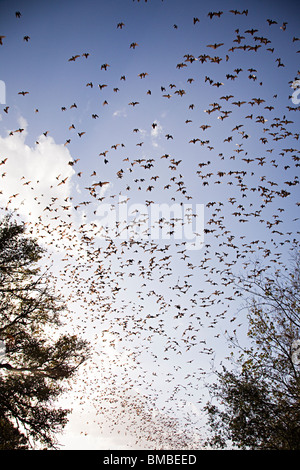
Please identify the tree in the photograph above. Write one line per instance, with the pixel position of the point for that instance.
(39, 359)
(259, 400)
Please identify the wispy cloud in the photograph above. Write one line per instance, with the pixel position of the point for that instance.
(120, 113)
(156, 133)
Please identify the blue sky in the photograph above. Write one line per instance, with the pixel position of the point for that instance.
(158, 315)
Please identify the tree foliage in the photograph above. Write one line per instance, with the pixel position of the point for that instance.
(259, 400)
(39, 358)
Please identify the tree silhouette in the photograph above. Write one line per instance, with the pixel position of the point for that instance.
(259, 400)
(38, 358)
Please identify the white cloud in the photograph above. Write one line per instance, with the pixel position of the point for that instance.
(156, 133)
(120, 113)
(32, 178)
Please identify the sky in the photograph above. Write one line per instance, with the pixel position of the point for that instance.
(153, 149)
